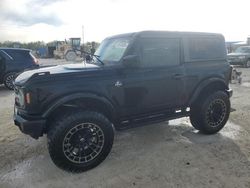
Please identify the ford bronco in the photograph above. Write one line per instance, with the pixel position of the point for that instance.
(132, 79)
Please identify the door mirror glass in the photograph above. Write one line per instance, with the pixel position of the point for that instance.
(131, 61)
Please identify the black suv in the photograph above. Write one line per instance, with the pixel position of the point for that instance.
(12, 62)
(133, 79)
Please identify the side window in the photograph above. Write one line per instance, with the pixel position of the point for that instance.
(19, 56)
(132, 50)
(160, 51)
(206, 48)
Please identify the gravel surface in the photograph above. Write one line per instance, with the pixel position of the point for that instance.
(158, 155)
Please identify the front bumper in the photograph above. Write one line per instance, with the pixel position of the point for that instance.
(230, 92)
(34, 128)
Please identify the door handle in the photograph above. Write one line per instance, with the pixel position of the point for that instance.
(178, 76)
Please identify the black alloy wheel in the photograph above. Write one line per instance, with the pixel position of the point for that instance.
(80, 140)
(83, 142)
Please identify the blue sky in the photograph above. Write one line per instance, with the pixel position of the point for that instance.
(47, 20)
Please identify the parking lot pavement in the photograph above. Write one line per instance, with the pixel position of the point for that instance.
(157, 155)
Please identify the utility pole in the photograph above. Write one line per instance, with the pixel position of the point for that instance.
(83, 36)
(82, 53)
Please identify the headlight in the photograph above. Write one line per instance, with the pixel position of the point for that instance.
(242, 57)
(27, 98)
(19, 98)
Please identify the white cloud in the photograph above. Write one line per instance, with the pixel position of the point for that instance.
(102, 18)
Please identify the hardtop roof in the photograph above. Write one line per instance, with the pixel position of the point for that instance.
(167, 33)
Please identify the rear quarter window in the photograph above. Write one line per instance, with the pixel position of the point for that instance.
(205, 48)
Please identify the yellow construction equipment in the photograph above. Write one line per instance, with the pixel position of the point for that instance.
(68, 49)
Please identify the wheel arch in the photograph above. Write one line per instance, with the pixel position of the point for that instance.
(208, 86)
(82, 101)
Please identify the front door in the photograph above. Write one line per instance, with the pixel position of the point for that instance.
(159, 82)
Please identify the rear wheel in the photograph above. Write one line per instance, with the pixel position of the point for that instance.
(212, 113)
(80, 141)
(9, 79)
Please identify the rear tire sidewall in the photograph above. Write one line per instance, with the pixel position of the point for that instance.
(56, 138)
(206, 128)
(194, 118)
(198, 116)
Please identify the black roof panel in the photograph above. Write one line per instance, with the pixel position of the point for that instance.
(167, 33)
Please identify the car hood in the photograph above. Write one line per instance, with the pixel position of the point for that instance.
(237, 54)
(59, 69)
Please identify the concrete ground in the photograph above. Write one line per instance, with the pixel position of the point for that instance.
(158, 155)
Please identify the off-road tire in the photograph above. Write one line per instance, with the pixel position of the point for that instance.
(194, 118)
(9, 79)
(211, 113)
(64, 125)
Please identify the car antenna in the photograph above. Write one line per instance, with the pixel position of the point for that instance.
(84, 62)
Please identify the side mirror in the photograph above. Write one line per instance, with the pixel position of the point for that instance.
(131, 61)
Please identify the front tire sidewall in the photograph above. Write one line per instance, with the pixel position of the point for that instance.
(57, 134)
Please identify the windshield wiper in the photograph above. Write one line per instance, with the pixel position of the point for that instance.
(93, 55)
(98, 58)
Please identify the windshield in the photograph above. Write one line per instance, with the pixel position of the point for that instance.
(112, 50)
(243, 49)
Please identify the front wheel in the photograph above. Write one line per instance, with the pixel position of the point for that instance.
(211, 114)
(80, 141)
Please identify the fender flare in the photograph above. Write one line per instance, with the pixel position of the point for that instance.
(196, 93)
(74, 96)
